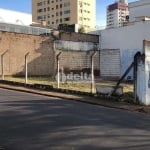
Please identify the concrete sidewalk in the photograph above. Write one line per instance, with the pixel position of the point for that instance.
(86, 99)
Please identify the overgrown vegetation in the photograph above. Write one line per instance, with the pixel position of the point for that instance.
(78, 86)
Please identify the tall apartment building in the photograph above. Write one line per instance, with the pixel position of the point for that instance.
(116, 13)
(55, 12)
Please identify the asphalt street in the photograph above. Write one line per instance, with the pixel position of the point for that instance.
(34, 122)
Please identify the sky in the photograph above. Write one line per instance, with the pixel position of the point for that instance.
(26, 6)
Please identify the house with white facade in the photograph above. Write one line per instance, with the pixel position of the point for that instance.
(125, 41)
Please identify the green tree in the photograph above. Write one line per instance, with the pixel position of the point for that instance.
(81, 30)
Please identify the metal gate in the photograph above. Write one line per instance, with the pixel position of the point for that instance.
(110, 63)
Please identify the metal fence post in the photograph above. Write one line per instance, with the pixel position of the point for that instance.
(58, 74)
(2, 64)
(26, 68)
(92, 72)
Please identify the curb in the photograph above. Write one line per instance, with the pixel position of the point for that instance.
(84, 97)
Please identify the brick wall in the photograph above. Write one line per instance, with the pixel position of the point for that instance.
(42, 57)
(40, 60)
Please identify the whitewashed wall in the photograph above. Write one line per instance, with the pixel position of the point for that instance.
(70, 45)
(127, 57)
(129, 39)
(143, 76)
(139, 8)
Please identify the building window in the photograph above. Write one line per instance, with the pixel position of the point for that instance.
(48, 9)
(60, 5)
(56, 6)
(39, 4)
(60, 13)
(39, 10)
(60, 20)
(44, 17)
(39, 18)
(67, 12)
(57, 21)
(80, 3)
(48, 2)
(81, 10)
(67, 19)
(66, 4)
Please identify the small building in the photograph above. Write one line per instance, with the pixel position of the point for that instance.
(128, 39)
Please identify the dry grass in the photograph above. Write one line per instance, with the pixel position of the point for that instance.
(78, 86)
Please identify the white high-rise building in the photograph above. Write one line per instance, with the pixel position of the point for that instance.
(117, 13)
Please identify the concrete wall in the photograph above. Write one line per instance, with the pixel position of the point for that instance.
(139, 8)
(72, 36)
(40, 60)
(71, 45)
(78, 61)
(129, 39)
(42, 57)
